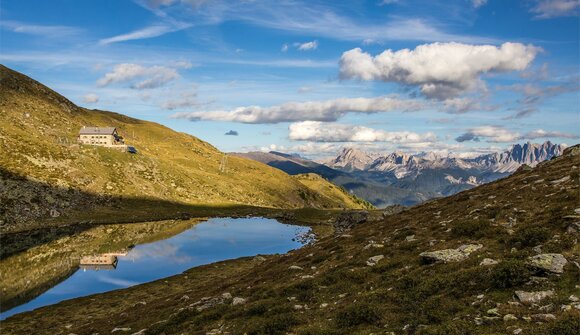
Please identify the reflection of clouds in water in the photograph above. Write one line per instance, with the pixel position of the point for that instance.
(116, 281)
(160, 250)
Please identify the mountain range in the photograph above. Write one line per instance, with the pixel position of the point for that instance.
(408, 179)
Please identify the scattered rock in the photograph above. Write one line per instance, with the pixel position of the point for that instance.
(393, 209)
(298, 307)
(323, 305)
(141, 332)
(509, 317)
(574, 228)
(517, 331)
(226, 295)
(372, 261)
(493, 311)
(533, 297)
(573, 298)
(488, 261)
(373, 245)
(207, 302)
(561, 180)
(549, 262)
(238, 301)
(120, 329)
(410, 238)
(295, 267)
(451, 255)
(347, 220)
(184, 298)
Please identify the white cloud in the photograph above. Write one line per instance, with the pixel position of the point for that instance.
(334, 132)
(91, 98)
(40, 30)
(147, 32)
(284, 47)
(312, 45)
(151, 77)
(440, 70)
(497, 134)
(478, 3)
(490, 133)
(387, 2)
(541, 133)
(329, 110)
(545, 9)
(187, 99)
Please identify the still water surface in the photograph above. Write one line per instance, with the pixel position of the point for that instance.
(207, 242)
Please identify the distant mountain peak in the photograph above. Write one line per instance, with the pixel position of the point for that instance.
(402, 164)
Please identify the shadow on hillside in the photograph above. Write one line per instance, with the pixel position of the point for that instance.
(33, 213)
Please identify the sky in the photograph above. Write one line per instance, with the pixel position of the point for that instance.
(311, 77)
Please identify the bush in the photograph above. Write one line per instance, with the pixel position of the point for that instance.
(473, 229)
(357, 314)
(530, 236)
(456, 327)
(509, 273)
(277, 324)
(569, 324)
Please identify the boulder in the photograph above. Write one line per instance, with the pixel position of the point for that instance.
(533, 297)
(450, 255)
(238, 301)
(549, 262)
(372, 261)
(488, 261)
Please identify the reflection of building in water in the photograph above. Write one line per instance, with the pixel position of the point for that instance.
(106, 261)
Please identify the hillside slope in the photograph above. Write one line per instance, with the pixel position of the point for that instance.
(501, 258)
(38, 145)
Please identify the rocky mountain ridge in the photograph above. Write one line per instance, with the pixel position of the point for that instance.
(408, 179)
(402, 164)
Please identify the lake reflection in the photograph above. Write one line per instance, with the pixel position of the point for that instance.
(207, 242)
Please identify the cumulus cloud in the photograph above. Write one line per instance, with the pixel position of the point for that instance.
(91, 98)
(545, 9)
(313, 45)
(231, 133)
(497, 134)
(439, 70)
(334, 132)
(329, 110)
(150, 77)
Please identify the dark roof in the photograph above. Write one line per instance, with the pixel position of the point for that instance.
(97, 130)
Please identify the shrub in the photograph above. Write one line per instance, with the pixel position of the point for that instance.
(456, 327)
(474, 229)
(509, 273)
(530, 236)
(357, 314)
(569, 324)
(277, 324)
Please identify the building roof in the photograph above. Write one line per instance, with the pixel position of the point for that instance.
(97, 130)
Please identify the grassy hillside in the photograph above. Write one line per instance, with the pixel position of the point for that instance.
(331, 192)
(376, 278)
(38, 144)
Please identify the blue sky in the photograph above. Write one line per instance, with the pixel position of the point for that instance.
(313, 76)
